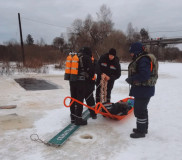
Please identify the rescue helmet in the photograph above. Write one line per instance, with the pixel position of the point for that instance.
(136, 48)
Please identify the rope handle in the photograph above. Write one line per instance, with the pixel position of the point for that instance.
(35, 137)
(75, 100)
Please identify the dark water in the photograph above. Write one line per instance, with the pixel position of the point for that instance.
(33, 84)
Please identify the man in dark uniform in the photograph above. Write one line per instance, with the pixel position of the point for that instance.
(77, 87)
(90, 87)
(142, 76)
(110, 70)
(90, 84)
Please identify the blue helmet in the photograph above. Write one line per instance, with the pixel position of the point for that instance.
(136, 48)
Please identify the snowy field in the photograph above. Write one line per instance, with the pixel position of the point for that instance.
(43, 113)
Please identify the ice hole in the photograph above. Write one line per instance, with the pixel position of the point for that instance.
(36, 84)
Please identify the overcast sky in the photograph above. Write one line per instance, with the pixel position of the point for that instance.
(158, 15)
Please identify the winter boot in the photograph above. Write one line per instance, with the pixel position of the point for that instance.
(137, 135)
(80, 121)
(72, 118)
(135, 130)
(94, 116)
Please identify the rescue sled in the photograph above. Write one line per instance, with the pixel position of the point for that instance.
(101, 108)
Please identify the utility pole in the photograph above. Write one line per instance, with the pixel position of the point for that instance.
(21, 39)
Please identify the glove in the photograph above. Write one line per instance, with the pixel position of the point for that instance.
(107, 78)
(103, 75)
(129, 80)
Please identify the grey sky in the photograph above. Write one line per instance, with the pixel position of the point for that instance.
(160, 15)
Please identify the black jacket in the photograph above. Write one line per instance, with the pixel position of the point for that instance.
(87, 69)
(111, 68)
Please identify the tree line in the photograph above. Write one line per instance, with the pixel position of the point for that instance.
(98, 34)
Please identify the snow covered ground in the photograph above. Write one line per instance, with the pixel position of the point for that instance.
(43, 113)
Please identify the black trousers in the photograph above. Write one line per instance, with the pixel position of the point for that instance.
(141, 113)
(89, 97)
(77, 90)
(110, 85)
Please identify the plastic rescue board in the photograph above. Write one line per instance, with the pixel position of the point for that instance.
(60, 138)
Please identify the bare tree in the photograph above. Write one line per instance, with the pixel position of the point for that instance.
(136, 36)
(130, 31)
(132, 34)
(105, 21)
(104, 14)
(89, 32)
(77, 26)
(58, 42)
(11, 42)
(41, 42)
(88, 23)
(72, 41)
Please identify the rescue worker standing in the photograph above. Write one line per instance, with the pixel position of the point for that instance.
(78, 83)
(110, 70)
(90, 86)
(142, 76)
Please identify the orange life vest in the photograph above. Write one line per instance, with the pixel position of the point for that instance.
(74, 68)
(68, 67)
(71, 68)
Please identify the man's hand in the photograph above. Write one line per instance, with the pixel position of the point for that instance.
(107, 78)
(103, 75)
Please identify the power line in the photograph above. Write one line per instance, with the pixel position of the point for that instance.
(36, 21)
